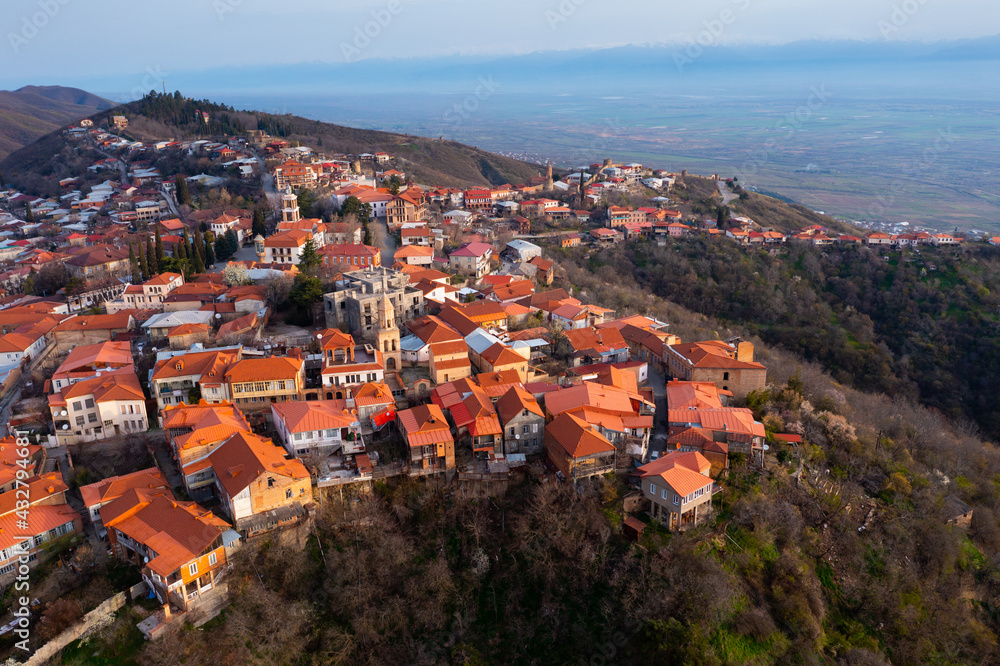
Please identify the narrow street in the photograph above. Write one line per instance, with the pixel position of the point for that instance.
(658, 383)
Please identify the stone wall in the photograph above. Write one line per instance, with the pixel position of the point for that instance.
(95, 620)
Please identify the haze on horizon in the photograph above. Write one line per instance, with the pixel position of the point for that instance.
(61, 41)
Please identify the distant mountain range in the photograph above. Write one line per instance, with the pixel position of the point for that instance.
(626, 69)
(32, 111)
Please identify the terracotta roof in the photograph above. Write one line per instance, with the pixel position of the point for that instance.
(109, 322)
(264, 369)
(590, 394)
(515, 401)
(120, 384)
(238, 325)
(576, 437)
(207, 364)
(684, 481)
(112, 488)
(595, 340)
(691, 460)
(712, 354)
(425, 425)
(685, 395)
(313, 415)
(187, 329)
(499, 354)
(244, 457)
(373, 393)
(177, 531)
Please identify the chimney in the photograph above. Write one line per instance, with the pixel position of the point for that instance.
(744, 352)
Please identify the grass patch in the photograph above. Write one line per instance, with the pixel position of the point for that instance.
(118, 645)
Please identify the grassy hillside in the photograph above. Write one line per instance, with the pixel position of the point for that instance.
(428, 161)
(33, 111)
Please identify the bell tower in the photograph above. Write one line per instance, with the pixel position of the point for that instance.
(289, 206)
(387, 337)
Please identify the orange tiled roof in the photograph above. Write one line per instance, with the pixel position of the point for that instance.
(313, 415)
(515, 401)
(576, 437)
(264, 369)
(244, 457)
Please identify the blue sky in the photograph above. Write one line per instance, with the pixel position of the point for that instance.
(50, 41)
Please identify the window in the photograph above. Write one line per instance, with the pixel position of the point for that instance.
(123, 409)
(80, 420)
(193, 568)
(212, 559)
(270, 482)
(725, 376)
(89, 402)
(77, 406)
(652, 488)
(298, 437)
(534, 427)
(663, 493)
(525, 429)
(512, 431)
(92, 418)
(288, 493)
(677, 500)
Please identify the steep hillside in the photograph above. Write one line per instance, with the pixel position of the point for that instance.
(32, 111)
(428, 161)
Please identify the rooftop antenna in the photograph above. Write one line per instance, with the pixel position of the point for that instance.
(164, 82)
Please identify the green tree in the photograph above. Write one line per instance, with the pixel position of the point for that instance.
(180, 251)
(183, 194)
(352, 206)
(144, 260)
(197, 263)
(308, 259)
(305, 292)
(394, 185)
(160, 254)
(29, 283)
(259, 223)
(306, 201)
(722, 219)
(198, 245)
(209, 253)
(28, 215)
(133, 263)
(226, 245)
(154, 266)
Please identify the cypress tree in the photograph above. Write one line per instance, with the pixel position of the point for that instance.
(183, 195)
(134, 265)
(160, 256)
(259, 224)
(198, 245)
(209, 254)
(198, 263)
(154, 266)
(144, 260)
(28, 215)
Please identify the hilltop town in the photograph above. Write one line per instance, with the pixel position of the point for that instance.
(206, 339)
